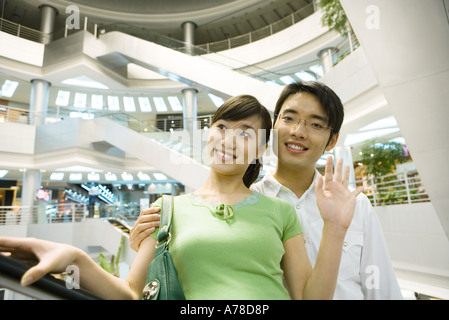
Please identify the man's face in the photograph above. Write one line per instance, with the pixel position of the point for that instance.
(303, 132)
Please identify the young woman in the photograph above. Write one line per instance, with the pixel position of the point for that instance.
(227, 241)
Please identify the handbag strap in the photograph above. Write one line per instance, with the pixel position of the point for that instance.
(166, 217)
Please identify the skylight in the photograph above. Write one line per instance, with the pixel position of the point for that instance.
(127, 176)
(9, 87)
(110, 176)
(216, 100)
(160, 176)
(80, 100)
(113, 103)
(287, 79)
(160, 104)
(317, 69)
(97, 101)
(305, 76)
(174, 103)
(76, 176)
(57, 176)
(143, 176)
(93, 176)
(63, 98)
(129, 104)
(144, 103)
(83, 81)
(3, 173)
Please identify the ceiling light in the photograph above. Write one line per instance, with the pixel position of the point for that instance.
(3, 173)
(287, 80)
(80, 100)
(8, 88)
(217, 101)
(127, 176)
(76, 176)
(110, 176)
(113, 103)
(160, 176)
(174, 103)
(63, 98)
(305, 76)
(144, 103)
(83, 81)
(97, 101)
(57, 176)
(93, 176)
(128, 102)
(160, 104)
(143, 176)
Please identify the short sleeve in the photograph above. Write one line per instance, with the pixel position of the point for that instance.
(291, 224)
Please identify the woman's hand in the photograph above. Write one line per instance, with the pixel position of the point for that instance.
(335, 201)
(145, 225)
(48, 257)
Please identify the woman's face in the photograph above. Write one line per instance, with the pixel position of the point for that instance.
(235, 144)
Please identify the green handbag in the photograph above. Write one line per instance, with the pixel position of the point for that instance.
(162, 279)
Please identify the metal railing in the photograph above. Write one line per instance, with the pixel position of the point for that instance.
(45, 213)
(67, 213)
(20, 31)
(10, 114)
(399, 188)
(261, 33)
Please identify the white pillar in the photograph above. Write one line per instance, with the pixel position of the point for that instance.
(39, 101)
(327, 59)
(48, 18)
(31, 183)
(189, 36)
(346, 154)
(190, 110)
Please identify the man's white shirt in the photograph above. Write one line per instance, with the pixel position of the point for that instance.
(366, 271)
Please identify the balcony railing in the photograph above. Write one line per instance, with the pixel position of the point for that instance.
(398, 188)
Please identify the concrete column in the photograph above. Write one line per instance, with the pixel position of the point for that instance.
(346, 154)
(190, 111)
(189, 36)
(39, 101)
(327, 59)
(31, 183)
(48, 18)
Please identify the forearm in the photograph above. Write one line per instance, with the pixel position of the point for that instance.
(99, 282)
(323, 280)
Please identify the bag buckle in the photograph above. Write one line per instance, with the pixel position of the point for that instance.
(150, 290)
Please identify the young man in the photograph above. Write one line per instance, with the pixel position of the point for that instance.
(307, 121)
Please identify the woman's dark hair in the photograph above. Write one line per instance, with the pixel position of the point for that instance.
(242, 107)
(329, 100)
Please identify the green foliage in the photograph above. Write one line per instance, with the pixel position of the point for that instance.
(112, 267)
(381, 157)
(334, 16)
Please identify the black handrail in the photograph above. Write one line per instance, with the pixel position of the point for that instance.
(13, 270)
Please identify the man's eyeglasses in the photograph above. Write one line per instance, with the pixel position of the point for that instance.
(313, 125)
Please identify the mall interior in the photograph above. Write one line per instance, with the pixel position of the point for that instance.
(105, 106)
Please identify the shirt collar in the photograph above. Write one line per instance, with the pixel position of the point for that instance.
(271, 187)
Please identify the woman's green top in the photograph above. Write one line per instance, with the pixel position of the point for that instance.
(231, 251)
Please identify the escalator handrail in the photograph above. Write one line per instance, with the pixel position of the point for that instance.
(14, 269)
